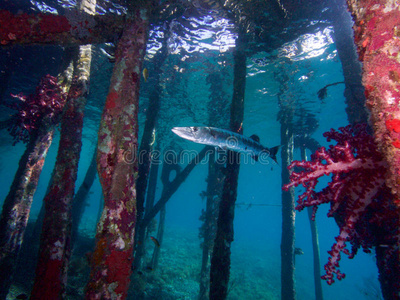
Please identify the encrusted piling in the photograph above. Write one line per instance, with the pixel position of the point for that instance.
(377, 36)
(118, 167)
(54, 253)
(15, 214)
(17, 205)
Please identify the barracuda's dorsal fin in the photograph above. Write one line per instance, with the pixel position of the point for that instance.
(255, 137)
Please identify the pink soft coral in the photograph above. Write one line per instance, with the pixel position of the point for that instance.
(360, 200)
(47, 102)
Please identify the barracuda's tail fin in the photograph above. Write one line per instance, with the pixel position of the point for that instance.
(273, 151)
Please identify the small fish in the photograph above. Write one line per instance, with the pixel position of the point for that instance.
(226, 139)
(155, 241)
(298, 251)
(22, 296)
(145, 74)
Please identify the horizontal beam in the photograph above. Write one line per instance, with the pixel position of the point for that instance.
(73, 28)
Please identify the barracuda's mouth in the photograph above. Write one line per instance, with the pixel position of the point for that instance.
(188, 133)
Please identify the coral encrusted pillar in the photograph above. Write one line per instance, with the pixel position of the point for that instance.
(51, 270)
(118, 169)
(377, 36)
(17, 205)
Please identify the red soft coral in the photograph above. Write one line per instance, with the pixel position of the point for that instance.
(358, 183)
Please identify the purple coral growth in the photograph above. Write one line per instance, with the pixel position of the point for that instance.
(46, 103)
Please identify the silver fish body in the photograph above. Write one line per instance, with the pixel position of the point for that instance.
(225, 139)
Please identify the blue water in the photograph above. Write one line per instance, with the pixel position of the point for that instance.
(308, 63)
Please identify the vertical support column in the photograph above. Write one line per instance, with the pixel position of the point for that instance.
(146, 146)
(219, 101)
(288, 288)
(55, 240)
(315, 244)
(377, 37)
(160, 237)
(54, 253)
(118, 167)
(80, 200)
(17, 205)
(221, 260)
(343, 37)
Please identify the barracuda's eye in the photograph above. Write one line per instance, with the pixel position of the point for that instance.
(195, 129)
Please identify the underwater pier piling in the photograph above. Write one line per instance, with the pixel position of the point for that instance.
(221, 260)
(377, 37)
(151, 195)
(286, 102)
(160, 237)
(151, 190)
(315, 242)
(376, 34)
(343, 38)
(54, 252)
(17, 205)
(218, 101)
(316, 256)
(117, 164)
(146, 146)
(80, 199)
(288, 288)
(207, 229)
(144, 169)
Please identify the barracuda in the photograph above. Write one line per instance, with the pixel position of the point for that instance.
(226, 139)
